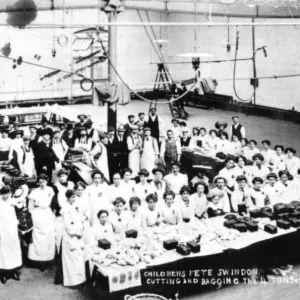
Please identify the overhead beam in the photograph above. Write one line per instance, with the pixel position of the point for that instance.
(238, 9)
(164, 24)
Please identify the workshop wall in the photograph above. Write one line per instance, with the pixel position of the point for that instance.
(137, 59)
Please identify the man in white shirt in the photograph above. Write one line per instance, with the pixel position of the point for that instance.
(176, 180)
(170, 151)
(176, 129)
(237, 129)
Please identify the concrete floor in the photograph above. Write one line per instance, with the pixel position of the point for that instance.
(35, 285)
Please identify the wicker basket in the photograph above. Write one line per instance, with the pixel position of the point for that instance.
(145, 297)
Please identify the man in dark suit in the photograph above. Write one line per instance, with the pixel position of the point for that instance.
(117, 151)
(82, 120)
(45, 128)
(128, 126)
(46, 157)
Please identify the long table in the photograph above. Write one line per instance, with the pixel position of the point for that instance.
(250, 249)
(189, 159)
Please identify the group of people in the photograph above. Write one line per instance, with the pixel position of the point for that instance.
(137, 184)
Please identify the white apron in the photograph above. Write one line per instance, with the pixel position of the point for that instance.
(43, 234)
(150, 149)
(59, 150)
(10, 250)
(73, 259)
(134, 155)
(28, 165)
(82, 205)
(62, 200)
(98, 199)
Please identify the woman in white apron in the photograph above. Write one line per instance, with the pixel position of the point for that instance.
(98, 194)
(26, 159)
(135, 220)
(284, 187)
(159, 185)
(170, 212)
(151, 215)
(134, 143)
(73, 257)
(119, 218)
(59, 201)
(103, 229)
(98, 157)
(150, 151)
(42, 249)
(83, 207)
(143, 188)
(60, 149)
(10, 250)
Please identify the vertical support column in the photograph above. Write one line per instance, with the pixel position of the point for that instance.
(112, 76)
(254, 62)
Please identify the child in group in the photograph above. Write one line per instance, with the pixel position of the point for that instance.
(170, 213)
(135, 220)
(258, 196)
(151, 215)
(199, 200)
(186, 207)
(214, 207)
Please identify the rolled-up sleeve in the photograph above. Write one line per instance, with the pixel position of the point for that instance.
(178, 146)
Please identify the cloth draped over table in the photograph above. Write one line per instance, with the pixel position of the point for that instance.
(111, 93)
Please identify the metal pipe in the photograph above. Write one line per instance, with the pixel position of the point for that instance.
(254, 62)
(167, 24)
